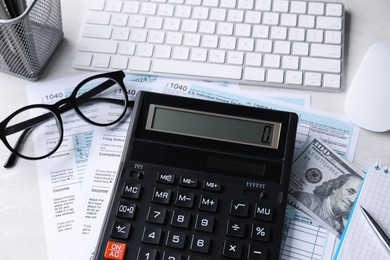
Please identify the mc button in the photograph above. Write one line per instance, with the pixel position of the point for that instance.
(131, 190)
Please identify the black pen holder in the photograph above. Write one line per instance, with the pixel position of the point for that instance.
(29, 40)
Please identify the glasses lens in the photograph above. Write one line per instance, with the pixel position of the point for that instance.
(34, 124)
(101, 101)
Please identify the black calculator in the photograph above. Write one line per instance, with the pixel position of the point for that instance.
(200, 180)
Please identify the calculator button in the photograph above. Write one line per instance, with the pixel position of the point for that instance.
(147, 254)
(172, 256)
(156, 215)
(260, 232)
(120, 230)
(115, 251)
(235, 228)
(181, 219)
(208, 203)
(239, 208)
(200, 244)
(131, 190)
(189, 182)
(257, 252)
(231, 249)
(176, 239)
(204, 223)
(161, 195)
(136, 174)
(166, 178)
(194, 257)
(126, 209)
(263, 213)
(212, 186)
(185, 199)
(151, 236)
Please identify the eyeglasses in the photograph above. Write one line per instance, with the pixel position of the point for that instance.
(100, 100)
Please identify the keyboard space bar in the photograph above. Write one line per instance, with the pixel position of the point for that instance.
(196, 69)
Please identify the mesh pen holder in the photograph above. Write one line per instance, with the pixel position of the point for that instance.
(28, 41)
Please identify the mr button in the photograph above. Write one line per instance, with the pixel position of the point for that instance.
(115, 251)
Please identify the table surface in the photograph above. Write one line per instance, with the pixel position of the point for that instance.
(22, 233)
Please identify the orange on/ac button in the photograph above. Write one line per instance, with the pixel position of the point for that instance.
(115, 251)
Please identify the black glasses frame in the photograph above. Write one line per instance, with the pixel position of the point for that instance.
(61, 106)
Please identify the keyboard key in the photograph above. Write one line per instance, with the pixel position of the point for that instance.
(185, 199)
(131, 190)
(181, 219)
(263, 212)
(166, 178)
(332, 80)
(101, 60)
(151, 235)
(239, 208)
(98, 45)
(126, 209)
(204, 223)
(156, 215)
(276, 76)
(232, 249)
(172, 256)
(115, 251)
(147, 254)
(139, 64)
(257, 252)
(254, 74)
(200, 244)
(334, 9)
(120, 230)
(208, 203)
(235, 228)
(83, 59)
(325, 50)
(332, 23)
(197, 69)
(161, 195)
(317, 64)
(260, 232)
(176, 239)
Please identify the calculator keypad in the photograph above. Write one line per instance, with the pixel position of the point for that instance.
(180, 218)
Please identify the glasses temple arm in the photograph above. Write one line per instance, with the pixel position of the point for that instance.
(13, 156)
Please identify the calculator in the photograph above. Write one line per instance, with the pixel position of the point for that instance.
(199, 180)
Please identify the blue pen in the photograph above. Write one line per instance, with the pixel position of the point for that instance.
(377, 229)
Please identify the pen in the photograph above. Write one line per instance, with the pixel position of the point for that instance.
(377, 229)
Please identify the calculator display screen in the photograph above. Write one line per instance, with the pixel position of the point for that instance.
(214, 126)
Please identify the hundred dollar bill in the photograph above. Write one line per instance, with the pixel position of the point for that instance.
(324, 185)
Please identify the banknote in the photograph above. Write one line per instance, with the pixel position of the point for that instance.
(324, 185)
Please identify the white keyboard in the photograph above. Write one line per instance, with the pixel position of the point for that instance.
(277, 43)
